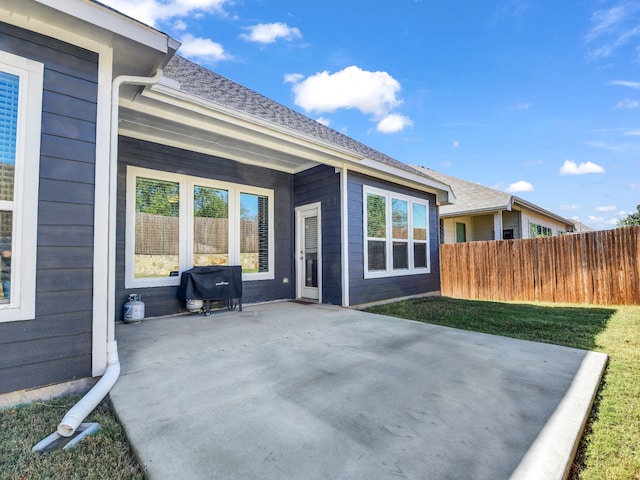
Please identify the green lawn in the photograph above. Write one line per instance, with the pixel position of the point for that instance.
(610, 448)
(104, 455)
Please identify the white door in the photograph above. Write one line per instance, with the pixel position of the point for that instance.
(308, 252)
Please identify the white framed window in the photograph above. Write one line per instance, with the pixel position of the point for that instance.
(176, 222)
(396, 233)
(539, 231)
(21, 84)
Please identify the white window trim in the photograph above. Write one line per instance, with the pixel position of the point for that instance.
(538, 223)
(26, 181)
(185, 222)
(389, 271)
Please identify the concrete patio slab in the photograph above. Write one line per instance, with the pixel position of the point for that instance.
(289, 391)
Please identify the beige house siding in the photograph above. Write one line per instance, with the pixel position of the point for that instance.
(529, 217)
(482, 227)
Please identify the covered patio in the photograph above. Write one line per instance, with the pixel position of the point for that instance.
(290, 391)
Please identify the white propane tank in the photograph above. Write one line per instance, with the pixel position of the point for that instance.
(194, 305)
(134, 309)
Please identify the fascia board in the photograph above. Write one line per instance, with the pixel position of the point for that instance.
(444, 194)
(106, 18)
(165, 92)
(542, 211)
(472, 213)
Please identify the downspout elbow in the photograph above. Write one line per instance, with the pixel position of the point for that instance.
(71, 421)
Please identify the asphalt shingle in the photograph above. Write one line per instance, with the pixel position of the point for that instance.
(201, 82)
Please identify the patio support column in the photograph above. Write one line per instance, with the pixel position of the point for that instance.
(497, 225)
(344, 235)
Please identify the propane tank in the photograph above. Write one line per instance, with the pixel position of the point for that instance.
(194, 305)
(134, 309)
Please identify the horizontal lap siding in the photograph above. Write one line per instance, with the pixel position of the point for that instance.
(377, 289)
(163, 300)
(322, 184)
(56, 345)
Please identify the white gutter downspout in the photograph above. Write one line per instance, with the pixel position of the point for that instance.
(85, 406)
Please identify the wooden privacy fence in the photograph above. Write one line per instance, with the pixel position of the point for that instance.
(596, 267)
(158, 235)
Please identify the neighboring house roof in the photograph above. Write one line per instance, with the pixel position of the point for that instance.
(581, 227)
(197, 80)
(474, 199)
(471, 197)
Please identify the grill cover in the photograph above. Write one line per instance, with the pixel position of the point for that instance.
(211, 283)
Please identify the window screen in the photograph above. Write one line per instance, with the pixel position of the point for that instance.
(9, 94)
(254, 233)
(210, 226)
(376, 231)
(157, 227)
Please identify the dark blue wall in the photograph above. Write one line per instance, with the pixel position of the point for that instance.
(374, 289)
(56, 345)
(163, 300)
(322, 184)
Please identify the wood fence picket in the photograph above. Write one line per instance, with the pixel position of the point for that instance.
(595, 267)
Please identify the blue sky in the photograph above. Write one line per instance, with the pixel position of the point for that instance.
(539, 98)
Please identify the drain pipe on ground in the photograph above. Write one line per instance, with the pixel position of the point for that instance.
(85, 406)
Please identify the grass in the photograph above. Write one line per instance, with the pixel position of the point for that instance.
(572, 326)
(104, 455)
(610, 447)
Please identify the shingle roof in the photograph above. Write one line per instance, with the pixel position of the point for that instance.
(470, 197)
(475, 198)
(201, 82)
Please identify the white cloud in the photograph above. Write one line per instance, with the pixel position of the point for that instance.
(324, 121)
(393, 123)
(569, 207)
(613, 147)
(634, 186)
(606, 208)
(152, 12)
(180, 26)
(628, 104)
(626, 83)
(271, 32)
(612, 28)
(293, 77)
(203, 48)
(521, 186)
(372, 93)
(569, 167)
(634, 133)
(521, 106)
(533, 163)
(455, 144)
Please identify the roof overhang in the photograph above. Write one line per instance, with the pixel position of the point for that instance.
(167, 115)
(530, 206)
(474, 212)
(137, 49)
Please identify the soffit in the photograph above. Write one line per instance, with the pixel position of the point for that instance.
(213, 136)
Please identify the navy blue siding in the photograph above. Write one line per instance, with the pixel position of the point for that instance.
(322, 184)
(56, 345)
(375, 289)
(163, 300)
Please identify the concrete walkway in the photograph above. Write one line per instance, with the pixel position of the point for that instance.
(289, 391)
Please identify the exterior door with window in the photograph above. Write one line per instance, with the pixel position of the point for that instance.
(308, 252)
